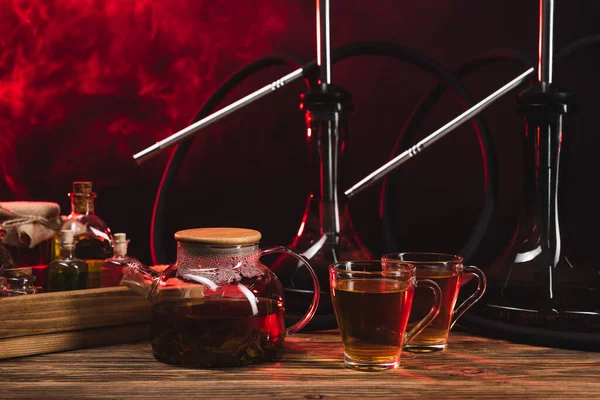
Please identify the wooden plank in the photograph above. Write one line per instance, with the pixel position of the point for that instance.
(71, 310)
(311, 367)
(62, 341)
(17, 272)
(51, 322)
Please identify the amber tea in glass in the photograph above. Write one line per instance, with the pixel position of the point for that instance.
(447, 271)
(372, 306)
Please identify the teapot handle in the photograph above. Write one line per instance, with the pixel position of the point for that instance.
(317, 291)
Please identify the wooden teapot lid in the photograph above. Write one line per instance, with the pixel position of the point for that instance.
(219, 236)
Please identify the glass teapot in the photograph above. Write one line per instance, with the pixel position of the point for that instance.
(218, 305)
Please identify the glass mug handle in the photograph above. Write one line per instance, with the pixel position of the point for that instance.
(435, 310)
(317, 291)
(477, 294)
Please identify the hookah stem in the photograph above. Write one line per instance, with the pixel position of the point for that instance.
(548, 218)
(329, 126)
(214, 117)
(435, 136)
(407, 137)
(323, 41)
(545, 46)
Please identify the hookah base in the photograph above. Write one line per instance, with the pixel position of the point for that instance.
(532, 335)
(524, 313)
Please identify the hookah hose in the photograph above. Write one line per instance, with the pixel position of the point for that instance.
(577, 46)
(407, 137)
(173, 165)
(392, 50)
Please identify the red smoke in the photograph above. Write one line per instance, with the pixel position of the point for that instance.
(85, 82)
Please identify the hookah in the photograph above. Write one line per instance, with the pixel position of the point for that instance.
(326, 233)
(538, 292)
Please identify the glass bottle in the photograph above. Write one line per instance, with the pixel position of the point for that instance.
(67, 272)
(113, 267)
(90, 232)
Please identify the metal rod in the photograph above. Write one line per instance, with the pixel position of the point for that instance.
(323, 41)
(195, 127)
(437, 135)
(545, 41)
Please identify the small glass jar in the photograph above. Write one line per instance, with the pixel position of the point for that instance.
(17, 286)
(3, 287)
(22, 285)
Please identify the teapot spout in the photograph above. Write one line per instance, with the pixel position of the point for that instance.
(142, 279)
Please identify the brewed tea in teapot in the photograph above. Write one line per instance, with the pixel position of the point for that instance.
(218, 305)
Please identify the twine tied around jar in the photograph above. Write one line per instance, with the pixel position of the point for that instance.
(15, 219)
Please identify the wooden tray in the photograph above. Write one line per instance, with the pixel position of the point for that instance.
(52, 322)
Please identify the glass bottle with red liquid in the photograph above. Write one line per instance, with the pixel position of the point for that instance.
(90, 232)
(113, 267)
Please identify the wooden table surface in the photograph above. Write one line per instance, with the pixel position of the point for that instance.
(311, 368)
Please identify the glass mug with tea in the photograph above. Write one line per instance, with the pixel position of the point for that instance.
(218, 305)
(447, 271)
(372, 301)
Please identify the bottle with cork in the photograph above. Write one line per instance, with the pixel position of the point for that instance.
(92, 236)
(114, 267)
(67, 272)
